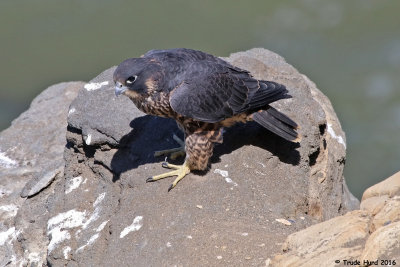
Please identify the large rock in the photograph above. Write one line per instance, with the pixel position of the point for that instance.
(103, 212)
(369, 234)
(31, 157)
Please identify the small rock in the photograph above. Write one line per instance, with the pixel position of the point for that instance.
(284, 221)
(386, 223)
(41, 181)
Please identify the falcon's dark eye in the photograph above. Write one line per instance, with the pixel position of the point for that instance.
(131, 79)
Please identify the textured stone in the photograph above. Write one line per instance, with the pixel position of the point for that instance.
(374, 204)
(389, 213)
(389, 186)
(36, 185)
(370, 234)
(384, 244)
(31, 155)
(113, 217)
(98, 210)
(340, 238)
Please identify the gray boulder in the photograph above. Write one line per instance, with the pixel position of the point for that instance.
(83, 201)
(259, 189)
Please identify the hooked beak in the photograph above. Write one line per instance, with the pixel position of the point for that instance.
(119, 88)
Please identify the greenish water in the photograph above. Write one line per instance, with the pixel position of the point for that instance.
(351, 49)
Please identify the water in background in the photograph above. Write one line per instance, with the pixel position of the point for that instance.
(351, 49)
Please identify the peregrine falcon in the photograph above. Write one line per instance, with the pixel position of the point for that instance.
(204, 94)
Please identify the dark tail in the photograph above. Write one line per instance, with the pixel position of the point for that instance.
(278, 123)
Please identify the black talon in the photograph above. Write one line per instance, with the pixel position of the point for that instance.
(150, 179)
(170, 187)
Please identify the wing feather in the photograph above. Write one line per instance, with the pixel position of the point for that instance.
(215, 93)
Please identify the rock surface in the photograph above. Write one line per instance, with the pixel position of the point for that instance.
(369, 234)
(98, 210)
(31, 157)
(103, 212)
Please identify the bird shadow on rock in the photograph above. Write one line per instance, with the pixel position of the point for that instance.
(254, 134)
(150, 134)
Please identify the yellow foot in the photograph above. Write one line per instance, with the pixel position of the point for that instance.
(175, 152)
(179, 170)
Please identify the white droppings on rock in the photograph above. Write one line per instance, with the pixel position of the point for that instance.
(89, 242)
(229, 181)
(219, 257)
(66, 252)
(57, 226)
(189, 237)
(222, 172)
(78, 233)
(34, 258)
(244, 234)
(225, 174)
(334, 136)
(262, 164)
(169, 244)
(84, 182)
(99, 199)
(6, 162)
(72, 110)
(96, 212)
(101, 226)
(10, 210)
(73, 184)
(135, 226)
(8, 235)
(95, 86)
(13, 261)
(260, 173)
(88, 139)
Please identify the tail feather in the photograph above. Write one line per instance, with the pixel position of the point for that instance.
(282, 117)
(277, 123)
(267, 93)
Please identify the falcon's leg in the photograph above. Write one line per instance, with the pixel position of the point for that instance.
(198, 151)
(175, 152)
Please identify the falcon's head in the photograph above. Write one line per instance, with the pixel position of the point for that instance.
(133, 77)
